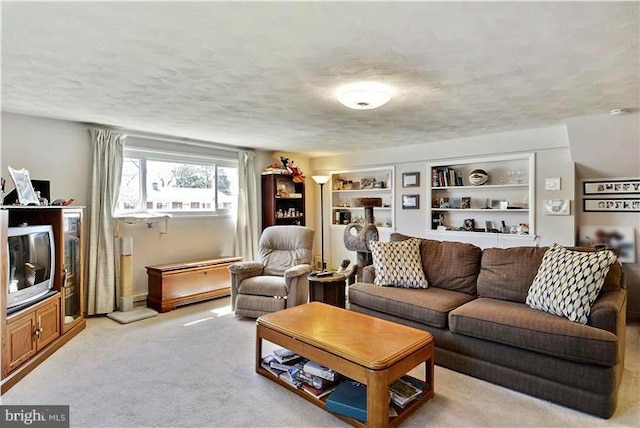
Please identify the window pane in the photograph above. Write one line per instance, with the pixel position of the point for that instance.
(175, 186)
(227, 188)
(129, 198)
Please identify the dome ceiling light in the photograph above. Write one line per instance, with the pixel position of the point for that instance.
(364, 96)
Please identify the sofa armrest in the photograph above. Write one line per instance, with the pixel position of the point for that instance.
(239, 272)
(368, 274)
(609, 312)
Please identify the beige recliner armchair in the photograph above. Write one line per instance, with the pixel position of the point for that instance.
(278, 280)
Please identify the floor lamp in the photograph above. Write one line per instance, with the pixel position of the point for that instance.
(321, 180)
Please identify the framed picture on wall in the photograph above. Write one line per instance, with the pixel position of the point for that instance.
(631, 205)
(618, 186)
(411, 179)
(410, 202)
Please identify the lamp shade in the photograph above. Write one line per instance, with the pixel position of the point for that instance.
(320, 179)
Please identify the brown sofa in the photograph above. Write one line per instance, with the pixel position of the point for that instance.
(475, 309)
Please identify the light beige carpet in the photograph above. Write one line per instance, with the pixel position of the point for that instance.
(193, 367)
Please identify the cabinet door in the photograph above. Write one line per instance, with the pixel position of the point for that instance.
(48, 324)
(72, 268)
(20, 342)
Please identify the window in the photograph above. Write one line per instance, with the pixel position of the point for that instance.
(182, 184)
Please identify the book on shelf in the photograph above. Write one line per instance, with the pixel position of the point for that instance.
(349, 398)
(283, 355)
(445, 177)
(405, 390)
(318, 392)
(316, 369)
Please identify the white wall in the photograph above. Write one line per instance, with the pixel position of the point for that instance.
(59, 151)
(605, 146)
(49, 149)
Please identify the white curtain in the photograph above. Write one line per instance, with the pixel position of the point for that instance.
(247, 225)
(105, 184)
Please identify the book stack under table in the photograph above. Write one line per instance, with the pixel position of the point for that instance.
(337, 342)
(344, 396)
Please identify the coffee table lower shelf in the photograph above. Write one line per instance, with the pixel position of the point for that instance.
(321, 402)
(377, 381)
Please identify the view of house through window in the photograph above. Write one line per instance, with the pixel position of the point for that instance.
(150, 184)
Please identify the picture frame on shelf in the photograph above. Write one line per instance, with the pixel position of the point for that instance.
(24, 188)
(410, 202)
(611, 186)
(630, 205)
(411, 179)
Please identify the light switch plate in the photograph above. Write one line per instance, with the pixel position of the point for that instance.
(552, 183)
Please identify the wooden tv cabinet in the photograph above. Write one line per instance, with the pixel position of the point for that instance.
(30, 335)
(175, 284)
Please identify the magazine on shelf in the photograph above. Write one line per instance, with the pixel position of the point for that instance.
(405, 390)
(286, 377)
(282, 366)
(266, 364)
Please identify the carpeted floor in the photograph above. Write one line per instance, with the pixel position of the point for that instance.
(193, 367)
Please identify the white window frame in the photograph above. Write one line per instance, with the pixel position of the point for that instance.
(145, 154)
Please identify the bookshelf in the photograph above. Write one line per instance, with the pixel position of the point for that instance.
(498, 207)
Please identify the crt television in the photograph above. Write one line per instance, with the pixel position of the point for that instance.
(31, 251)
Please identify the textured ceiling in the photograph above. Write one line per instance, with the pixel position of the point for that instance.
(264, 74)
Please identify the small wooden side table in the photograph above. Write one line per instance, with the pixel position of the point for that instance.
(328, 289)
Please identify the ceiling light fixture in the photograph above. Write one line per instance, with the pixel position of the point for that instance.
(364, 96)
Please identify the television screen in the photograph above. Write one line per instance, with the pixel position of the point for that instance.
(31, 258)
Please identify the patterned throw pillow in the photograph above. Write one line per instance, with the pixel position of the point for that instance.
(568, 282)
(398, 264)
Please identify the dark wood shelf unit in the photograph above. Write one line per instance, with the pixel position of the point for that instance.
(274, 201)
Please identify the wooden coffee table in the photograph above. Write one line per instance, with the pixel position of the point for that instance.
(370, 350)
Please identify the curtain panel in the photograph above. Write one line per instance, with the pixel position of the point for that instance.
(102, 289)
(247, 225)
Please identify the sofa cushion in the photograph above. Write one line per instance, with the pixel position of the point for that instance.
(398, 264)
(568, 282)
(507, 273)
(518, 325)
(429, 306)
(450, 265)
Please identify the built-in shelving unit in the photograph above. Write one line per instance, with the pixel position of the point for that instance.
(347, 186)
(459, 210)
